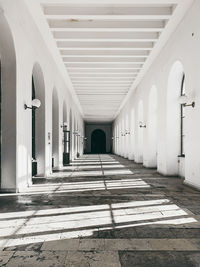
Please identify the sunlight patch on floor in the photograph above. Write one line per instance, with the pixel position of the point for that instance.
(61, 223)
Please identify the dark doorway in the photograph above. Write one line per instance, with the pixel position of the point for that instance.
(0, 124)
(98, 142)
(34, 162)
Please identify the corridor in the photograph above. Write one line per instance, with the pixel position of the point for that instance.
(101, 210)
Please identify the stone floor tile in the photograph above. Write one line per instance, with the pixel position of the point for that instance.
(172, 244)
(32, 258)
(144, 232)
(31, 247)
(127, 244)
(66, 244)
(186, 233)
(92, 259)
(5, 256)
(126, 233)
(195, 242)
(91, 244)
(158, 259)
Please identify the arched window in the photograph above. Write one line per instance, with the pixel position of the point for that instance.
(183, 118)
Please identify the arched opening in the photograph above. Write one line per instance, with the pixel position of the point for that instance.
(77, 141)
(38, 123)
(55, 129)
(0, 123)
(98, 142)
(74, 138)
(120, 138)
(151, 160)
(126, 137)
(71, 134)
(8, 144)
(66, 137)
(173, 130)
(34, 162)
(123, 137)
(140, 133)
(117, 139)
(132, 135)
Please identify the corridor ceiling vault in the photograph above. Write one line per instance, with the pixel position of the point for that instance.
(108, 45)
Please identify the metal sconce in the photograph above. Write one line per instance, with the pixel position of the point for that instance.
(75, 133)
(183, 100)
(64, 125)
(36, 103)
(142, 125)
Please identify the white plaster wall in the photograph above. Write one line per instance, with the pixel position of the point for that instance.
(31, 48)
(184, 46)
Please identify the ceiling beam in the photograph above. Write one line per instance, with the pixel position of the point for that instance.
(107, 29)
(84, 18)
(138, 24)
(108, 48)
(92, 58)
(106, 35)
(105, 80)
(103, 60)
(106, 63)
(108, 68)
(102, 82)
(109, 2)
(65, 10)
(100, 52)
(104, 40)
(102, 70)
(104, 45)
(113, 76)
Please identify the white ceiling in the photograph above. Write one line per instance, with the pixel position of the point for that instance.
(107, 45)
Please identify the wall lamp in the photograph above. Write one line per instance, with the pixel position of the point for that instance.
(142, 125)
(36, 103)
(183, 100)
(127, 132)
(64, 125)
(75, 133)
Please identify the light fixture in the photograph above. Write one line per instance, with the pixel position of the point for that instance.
(36, 103)
(142, 125)
(64, 124)
(127, 132)
(75, 133)
(183, 100)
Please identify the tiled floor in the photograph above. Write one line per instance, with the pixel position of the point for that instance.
(101, 211)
